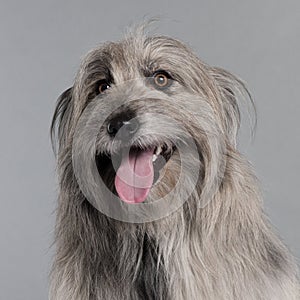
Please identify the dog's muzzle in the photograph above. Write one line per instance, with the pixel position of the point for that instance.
(136, 169)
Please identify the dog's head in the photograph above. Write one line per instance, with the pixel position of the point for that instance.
(151, 119)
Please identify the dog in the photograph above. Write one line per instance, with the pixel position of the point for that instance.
(155, 200)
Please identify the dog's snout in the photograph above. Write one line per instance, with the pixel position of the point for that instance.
(123, 126)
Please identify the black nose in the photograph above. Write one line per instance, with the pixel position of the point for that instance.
(122, 126)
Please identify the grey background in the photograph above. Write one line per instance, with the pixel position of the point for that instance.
(41, 43)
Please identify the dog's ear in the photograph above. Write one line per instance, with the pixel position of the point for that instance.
(231, 112)
(60, 124)
(234, 93)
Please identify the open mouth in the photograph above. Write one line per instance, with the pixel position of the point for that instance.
(134, 171)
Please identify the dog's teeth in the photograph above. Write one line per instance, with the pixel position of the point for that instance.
(158, 150)
(154, 158)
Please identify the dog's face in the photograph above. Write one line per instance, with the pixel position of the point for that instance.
(158, 121)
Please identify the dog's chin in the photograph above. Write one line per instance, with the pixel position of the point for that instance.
(135, 173)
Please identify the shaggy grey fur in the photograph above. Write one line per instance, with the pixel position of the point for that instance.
(223, 248)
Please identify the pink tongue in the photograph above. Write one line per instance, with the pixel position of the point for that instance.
(135, 175)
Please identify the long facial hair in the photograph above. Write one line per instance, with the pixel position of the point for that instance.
(224, 249)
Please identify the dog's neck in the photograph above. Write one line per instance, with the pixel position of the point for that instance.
(215, 247)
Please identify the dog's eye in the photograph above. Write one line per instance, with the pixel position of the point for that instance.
(161, 79)
(102, 86)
